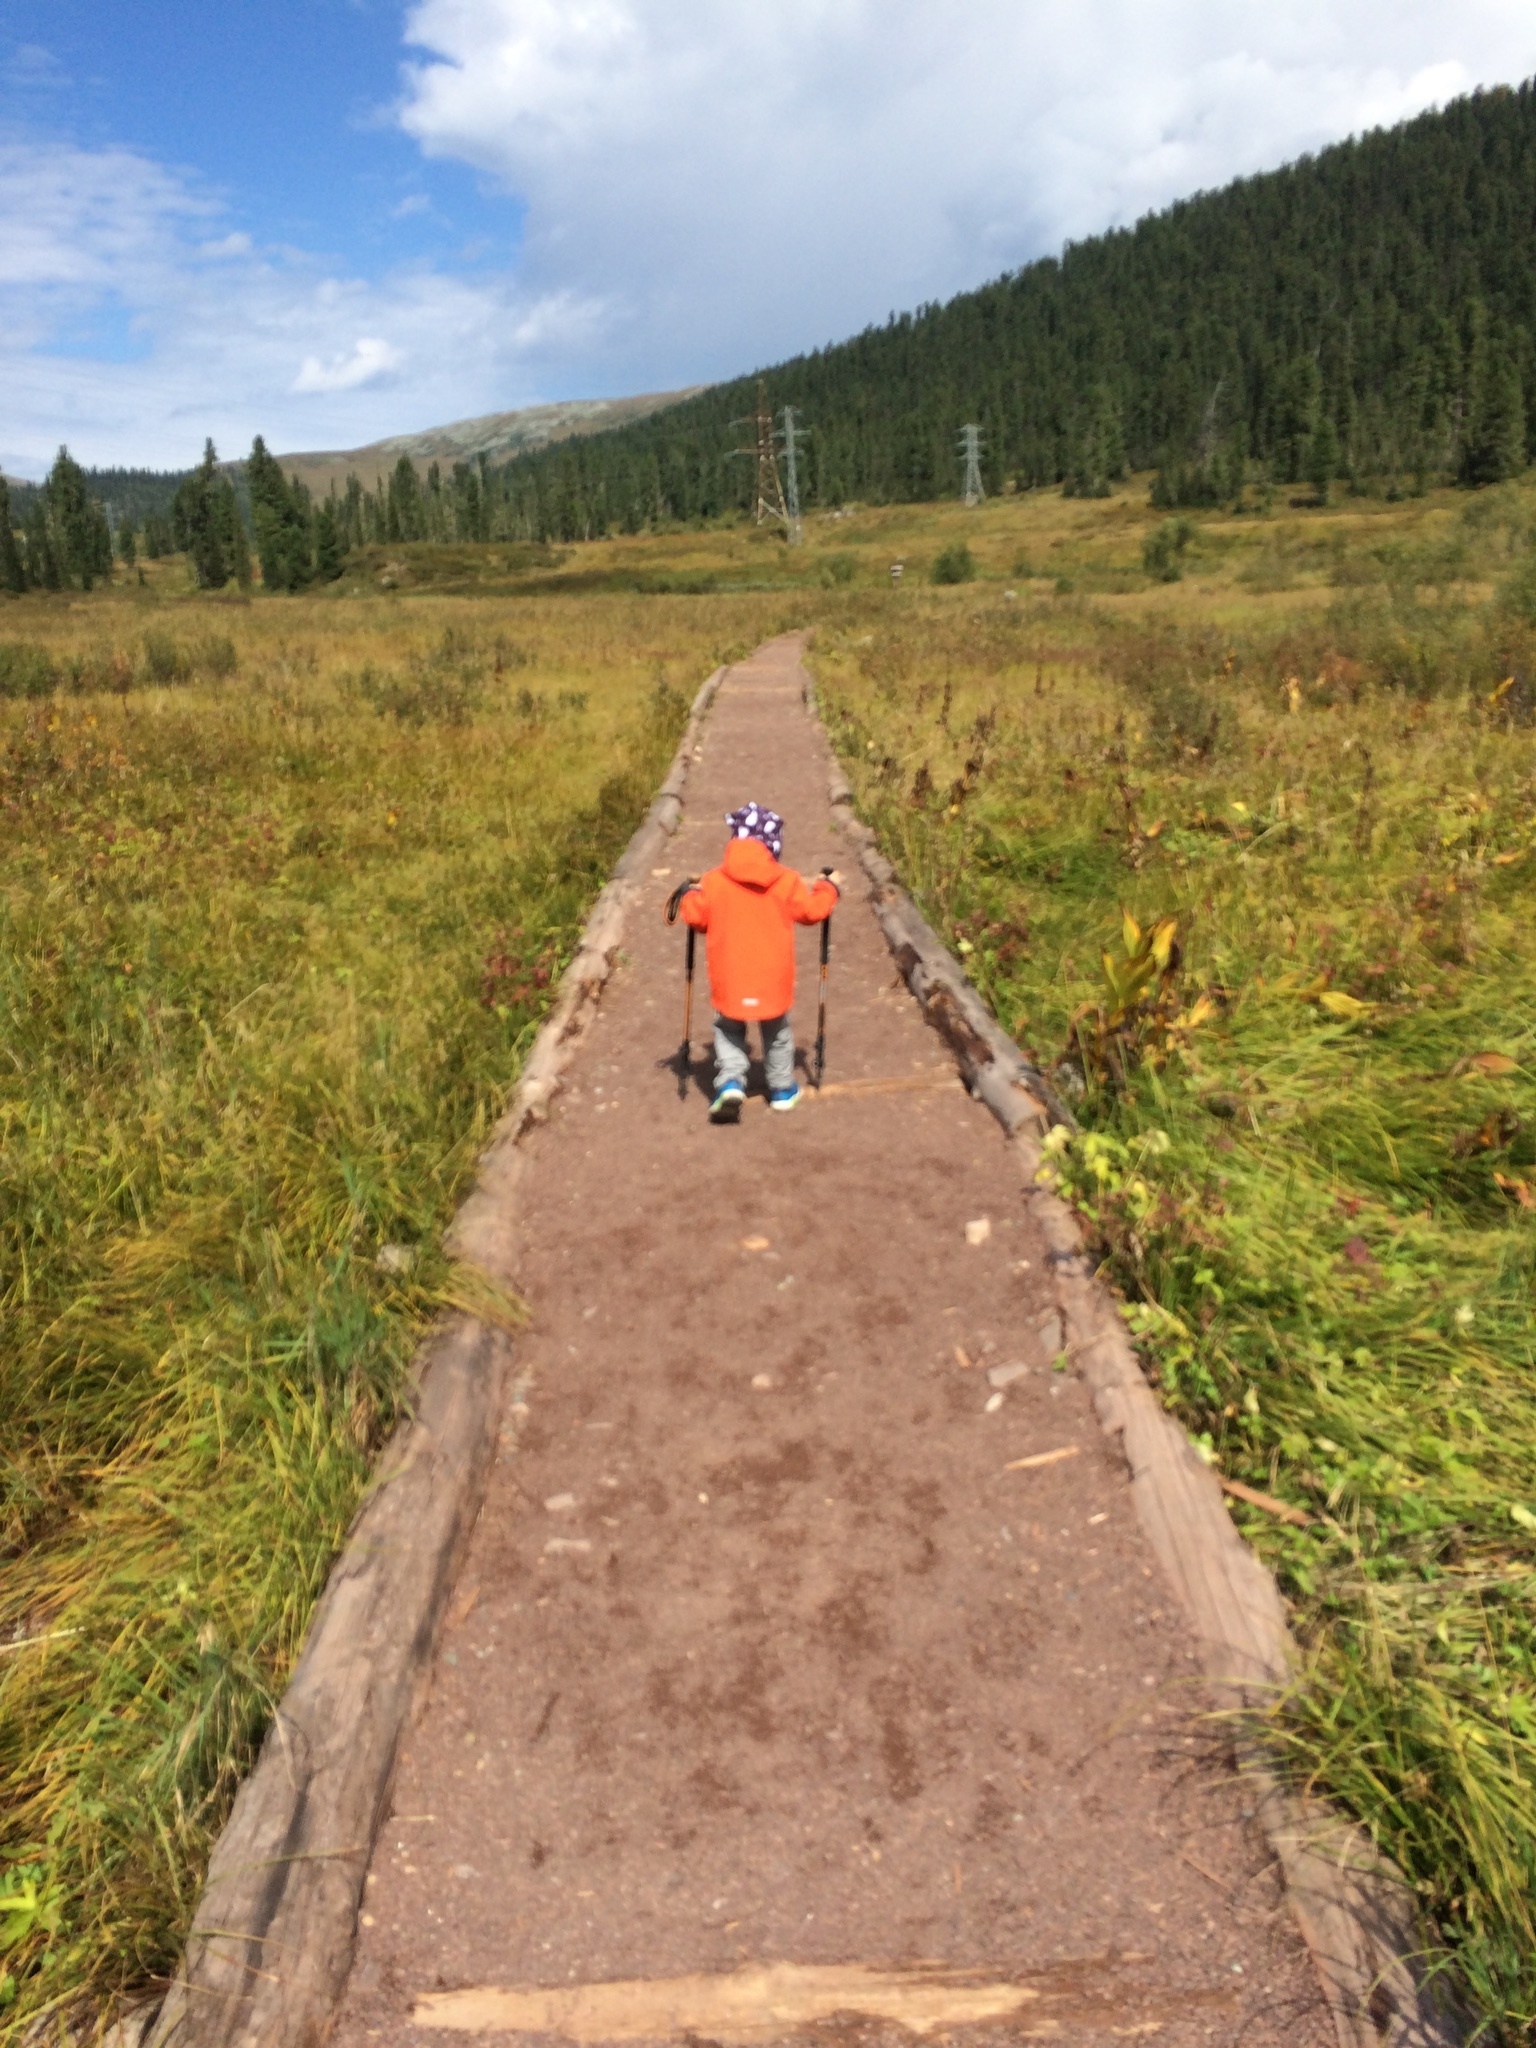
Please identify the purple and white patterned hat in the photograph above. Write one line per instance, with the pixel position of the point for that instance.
(755, 821)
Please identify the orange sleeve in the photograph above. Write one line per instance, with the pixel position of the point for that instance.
(694, 909)
(813, 902)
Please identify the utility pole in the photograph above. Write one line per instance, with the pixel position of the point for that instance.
(970, 449)
(792, 434)
(769, 503)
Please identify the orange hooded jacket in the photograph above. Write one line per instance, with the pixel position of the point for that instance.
(749, 906)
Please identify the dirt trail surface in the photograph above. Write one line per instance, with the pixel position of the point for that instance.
(763, 1660)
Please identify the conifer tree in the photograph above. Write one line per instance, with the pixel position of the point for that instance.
(330, 550)
(127, 547)
(43, 572)
(1494, 447)
(280, 515)
(407, 514)
(13, 569)
(205, 521)
(76, 525)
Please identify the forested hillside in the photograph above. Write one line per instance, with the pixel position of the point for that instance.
(1367, 313)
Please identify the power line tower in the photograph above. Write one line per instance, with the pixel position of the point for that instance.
(769, 502)
(970, 448)
(791, 436)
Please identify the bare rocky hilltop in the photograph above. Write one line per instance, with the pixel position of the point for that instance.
(497, 434)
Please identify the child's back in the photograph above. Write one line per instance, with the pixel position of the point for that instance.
(748, 907)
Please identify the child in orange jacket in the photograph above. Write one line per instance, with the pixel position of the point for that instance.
(749, 907)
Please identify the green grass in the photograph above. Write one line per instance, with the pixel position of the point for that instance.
(1318, 1199)
(272, 944)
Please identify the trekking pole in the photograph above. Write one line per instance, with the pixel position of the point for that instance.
(821, 998)
(685, 1050)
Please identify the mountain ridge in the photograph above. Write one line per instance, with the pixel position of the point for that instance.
(497, 435)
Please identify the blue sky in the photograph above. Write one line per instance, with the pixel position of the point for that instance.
(330, 220)
(287, 112)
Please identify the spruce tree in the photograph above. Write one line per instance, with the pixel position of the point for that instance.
(1494, 447)
(280, 515)
(330, 551)
(43, 571)
(127, 547)
(13, 569)
(406, 511)
(75, 522)
(199, 524)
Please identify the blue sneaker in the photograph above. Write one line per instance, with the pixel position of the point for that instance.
(726, 1107)
(784, 1098)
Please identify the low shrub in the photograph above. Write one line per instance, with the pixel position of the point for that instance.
(1163, 550)
(954, 564)
(26, 670)
(166, 660)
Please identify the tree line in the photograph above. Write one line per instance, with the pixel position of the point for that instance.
(1364, 316)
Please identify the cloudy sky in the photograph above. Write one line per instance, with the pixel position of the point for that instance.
(330, 220)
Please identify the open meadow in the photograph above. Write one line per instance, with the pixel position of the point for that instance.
(1232, 818)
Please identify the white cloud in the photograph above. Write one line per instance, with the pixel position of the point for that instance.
(370, 359)
(742, 181)
(131, 327)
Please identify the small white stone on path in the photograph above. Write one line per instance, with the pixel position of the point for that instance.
(560, 1503)
(992, 1404)
(979, 1231)
(1005, 1375)
(762, 1382)
(562, 1546)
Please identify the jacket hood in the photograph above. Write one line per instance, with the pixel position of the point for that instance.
(749, 861)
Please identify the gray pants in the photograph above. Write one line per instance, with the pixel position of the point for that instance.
(778, 1051)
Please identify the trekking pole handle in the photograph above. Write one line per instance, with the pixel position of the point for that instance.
(674, 901)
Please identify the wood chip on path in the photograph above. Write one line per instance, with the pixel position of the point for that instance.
(1043, 1458)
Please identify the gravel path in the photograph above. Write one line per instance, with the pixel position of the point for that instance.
(761, 1654)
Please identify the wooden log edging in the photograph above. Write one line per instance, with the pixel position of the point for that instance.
(272, 1938)
(1353, 1907)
